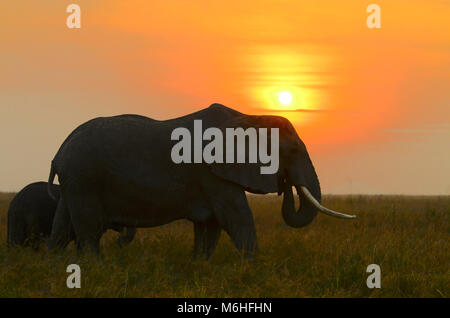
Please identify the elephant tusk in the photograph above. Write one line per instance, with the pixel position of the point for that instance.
(323, 209)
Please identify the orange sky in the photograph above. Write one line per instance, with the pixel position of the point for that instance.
(375, 104)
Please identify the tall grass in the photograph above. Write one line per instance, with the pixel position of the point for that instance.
(407, 236)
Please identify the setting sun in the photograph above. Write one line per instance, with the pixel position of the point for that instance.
(285, 98)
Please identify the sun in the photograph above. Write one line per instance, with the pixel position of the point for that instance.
(285, 98)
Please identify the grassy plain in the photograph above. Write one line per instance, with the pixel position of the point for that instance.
(407, 236)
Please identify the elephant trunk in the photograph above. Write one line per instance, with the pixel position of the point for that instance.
(310, 198)
(306, 212)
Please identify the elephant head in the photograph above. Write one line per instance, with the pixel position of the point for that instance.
(295, 169)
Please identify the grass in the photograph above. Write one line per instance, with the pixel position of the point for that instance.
(407, 236)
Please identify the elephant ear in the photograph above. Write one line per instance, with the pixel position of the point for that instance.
(248, 175)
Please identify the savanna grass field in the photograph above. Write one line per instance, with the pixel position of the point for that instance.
(407, 236)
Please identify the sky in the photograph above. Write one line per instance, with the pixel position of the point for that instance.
(371, 105)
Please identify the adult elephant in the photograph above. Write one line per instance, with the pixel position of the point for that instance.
(119, 171)
(31, 213)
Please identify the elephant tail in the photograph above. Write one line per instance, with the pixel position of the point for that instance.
(51, 178)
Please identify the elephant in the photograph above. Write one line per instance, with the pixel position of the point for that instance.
(119, 171)
(31, 214)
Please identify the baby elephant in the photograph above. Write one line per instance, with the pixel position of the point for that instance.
(31, 213)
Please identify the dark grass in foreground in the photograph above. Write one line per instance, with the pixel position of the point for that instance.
(407, 236)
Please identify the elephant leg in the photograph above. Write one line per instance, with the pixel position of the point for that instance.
(206, 237)
(62, 231)
(233, 214)
(243, 234)
(126, 236)
(86, 212)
